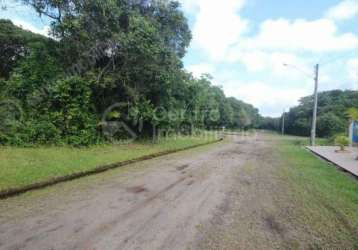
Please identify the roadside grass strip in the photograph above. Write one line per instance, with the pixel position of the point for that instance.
(25, 169)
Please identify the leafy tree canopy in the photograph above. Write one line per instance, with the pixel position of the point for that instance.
(332, 114)
(108, 61)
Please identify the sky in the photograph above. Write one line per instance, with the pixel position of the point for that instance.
(244, 45)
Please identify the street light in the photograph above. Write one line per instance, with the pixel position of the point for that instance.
(315, 105)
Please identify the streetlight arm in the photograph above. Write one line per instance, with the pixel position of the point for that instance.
(299, 69)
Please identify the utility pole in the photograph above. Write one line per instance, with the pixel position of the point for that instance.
(314, 119)
(283, 123)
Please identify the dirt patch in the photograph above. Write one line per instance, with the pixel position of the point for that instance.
(273, 225)
(54, 229)
(137, 189)
(231, 153)
(78, 229)
(181, 168)
(242, 142)
(253, 214)
(246, 182)
(191, 182)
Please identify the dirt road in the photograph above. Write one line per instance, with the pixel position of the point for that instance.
(222, 196)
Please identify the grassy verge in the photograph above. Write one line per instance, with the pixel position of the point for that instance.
(24, 166)
(326, 198)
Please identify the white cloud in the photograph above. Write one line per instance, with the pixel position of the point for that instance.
(222, 34)
(254, 60)
(301, 35)
(200, 69)
(27, 26)
(218, 26)
(189, 6)
(297, 68)
(270, 100)
(352, 69)
(345, 10)
(352, 66)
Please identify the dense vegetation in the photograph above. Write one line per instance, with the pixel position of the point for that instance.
(332, 119)
(107, 61)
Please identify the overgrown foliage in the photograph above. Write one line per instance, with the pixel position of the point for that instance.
(107, 62)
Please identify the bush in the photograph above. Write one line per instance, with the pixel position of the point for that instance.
(64, 116)
(45, 132)
(342, 141)
(329, 124)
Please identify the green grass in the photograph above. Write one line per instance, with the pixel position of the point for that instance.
(326, 198)
(23, 166)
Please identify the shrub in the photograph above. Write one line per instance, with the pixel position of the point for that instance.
(329, 124)
(342, 141)
(353, 113)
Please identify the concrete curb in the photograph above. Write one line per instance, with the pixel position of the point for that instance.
(17, 191)
(339, 168)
